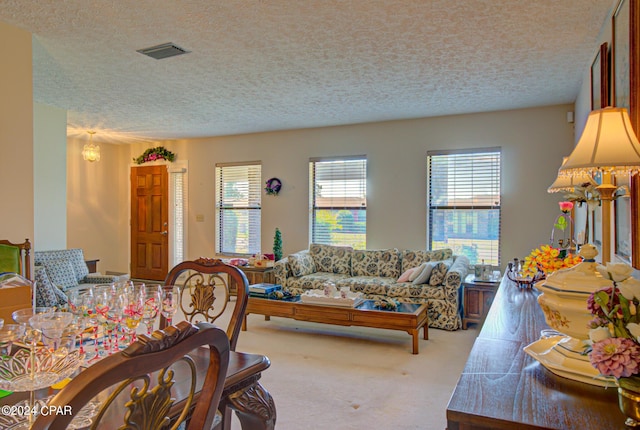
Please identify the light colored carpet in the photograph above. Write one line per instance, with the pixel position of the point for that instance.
(333, 377)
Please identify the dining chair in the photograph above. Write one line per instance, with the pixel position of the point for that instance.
(16, 260)
(205, 287)
(149, 405)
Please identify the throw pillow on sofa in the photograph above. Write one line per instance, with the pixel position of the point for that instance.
(406, 275)
(412, 258)
(301, 264)
(61, 274)
(425, 274)
(331, 258)
(47, 294)
(372, 262)
(416, 272)
(439, 272)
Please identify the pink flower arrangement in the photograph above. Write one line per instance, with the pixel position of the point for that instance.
(616, 356)
(615, 331)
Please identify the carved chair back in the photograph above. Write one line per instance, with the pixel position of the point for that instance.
(25, 256)
(151, 404)
(205, 292)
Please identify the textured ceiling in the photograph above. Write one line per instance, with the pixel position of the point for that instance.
(260, 65)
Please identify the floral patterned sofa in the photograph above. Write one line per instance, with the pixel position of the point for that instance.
(381, 274)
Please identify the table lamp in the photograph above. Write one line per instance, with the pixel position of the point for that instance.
(608, 146)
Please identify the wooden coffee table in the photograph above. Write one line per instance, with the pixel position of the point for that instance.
(408, 317)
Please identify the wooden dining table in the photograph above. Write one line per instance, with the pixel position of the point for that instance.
(242, 393)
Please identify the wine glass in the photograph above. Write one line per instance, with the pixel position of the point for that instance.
(102, 301)
(152, 303)
(170, 297)
(114, 318)
(132, 312)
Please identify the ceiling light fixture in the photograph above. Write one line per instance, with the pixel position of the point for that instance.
(91, 152)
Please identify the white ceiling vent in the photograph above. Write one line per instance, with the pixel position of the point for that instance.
(165, 50)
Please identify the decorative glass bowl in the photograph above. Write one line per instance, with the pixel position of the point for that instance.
(22, 316)
(19, 373)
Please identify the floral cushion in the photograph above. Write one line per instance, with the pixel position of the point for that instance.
(47, 294)
(61, 274)
(412, 258)
(439, 272)
(384, 262)
(367, 284)
(301, 263)
(331, 259)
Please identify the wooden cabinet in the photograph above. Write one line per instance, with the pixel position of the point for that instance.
(255, 275)
(501, 387)
(478, 296)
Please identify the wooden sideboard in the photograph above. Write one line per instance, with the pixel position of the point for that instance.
(501, 387)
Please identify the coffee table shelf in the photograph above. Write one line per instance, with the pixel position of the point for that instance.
(408, 317)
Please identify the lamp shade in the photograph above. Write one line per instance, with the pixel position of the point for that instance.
(564, 183)
(608, 144)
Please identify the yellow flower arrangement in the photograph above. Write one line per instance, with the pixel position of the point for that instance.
(548, 260)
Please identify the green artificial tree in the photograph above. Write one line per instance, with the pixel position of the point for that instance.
(277, 245)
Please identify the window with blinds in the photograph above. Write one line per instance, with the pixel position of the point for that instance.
(338, 194)
(238, 201)
(463, 203)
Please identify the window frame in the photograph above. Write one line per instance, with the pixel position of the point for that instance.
(254, 186)
(314, 235)
(492, 255)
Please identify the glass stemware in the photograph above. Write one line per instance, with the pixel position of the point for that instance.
(51, 325)
(152, 303)
(22, 316)
(170, 297)
(82, 306)
(103, 301)
(132, 313)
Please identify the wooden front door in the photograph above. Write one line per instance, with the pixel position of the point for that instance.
(149, 222)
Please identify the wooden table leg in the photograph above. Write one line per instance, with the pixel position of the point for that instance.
(254, 407)
(426, 332)
(414, 336)
(244, 322)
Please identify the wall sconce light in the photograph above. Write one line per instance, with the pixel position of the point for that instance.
(609, 146)
(91, 152)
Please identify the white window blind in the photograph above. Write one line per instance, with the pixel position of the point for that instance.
(238, 194)
(338, 193)
(464, 203)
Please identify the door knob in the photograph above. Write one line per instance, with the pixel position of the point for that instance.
(164, 233)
